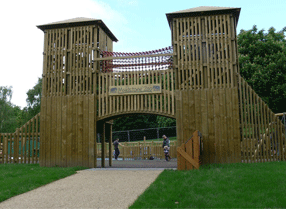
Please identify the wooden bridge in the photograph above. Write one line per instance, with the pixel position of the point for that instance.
(196, 81)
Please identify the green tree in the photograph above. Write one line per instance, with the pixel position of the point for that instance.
(135, 122)
(262, 60)
(34, 96)
(8, 111)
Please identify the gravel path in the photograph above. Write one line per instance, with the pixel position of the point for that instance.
(93, 188)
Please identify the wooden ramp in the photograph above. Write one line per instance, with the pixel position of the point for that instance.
(188, 154)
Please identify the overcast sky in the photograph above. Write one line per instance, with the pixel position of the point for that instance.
(139, 25)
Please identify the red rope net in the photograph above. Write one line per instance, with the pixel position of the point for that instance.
(145, 62)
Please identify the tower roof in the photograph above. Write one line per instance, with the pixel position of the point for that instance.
(202, 11)
(78, 21)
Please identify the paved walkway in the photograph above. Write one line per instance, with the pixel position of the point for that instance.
(116, 187)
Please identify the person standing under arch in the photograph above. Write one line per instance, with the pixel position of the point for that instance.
(166, 147)
(117, 152)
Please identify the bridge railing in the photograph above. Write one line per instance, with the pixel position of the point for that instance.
(141, 150)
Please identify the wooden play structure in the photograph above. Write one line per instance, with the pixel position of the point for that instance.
(196, 81)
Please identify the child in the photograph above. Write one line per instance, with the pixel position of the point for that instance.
(166, 151)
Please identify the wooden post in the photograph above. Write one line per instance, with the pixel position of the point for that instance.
(110, 145)
(16, 146)
(103, 146)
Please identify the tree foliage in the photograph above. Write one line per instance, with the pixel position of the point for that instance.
(262, 60)
(34, 96)
(8, 112)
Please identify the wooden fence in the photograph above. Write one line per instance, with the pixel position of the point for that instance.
(23, 145)
(263, 133)
(141, 150)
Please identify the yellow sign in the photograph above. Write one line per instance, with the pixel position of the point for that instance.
(135, 89)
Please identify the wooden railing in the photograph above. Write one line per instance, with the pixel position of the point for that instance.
(141, 150)
(263, 134)
(22, 146)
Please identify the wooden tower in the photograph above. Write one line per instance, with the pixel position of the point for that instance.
(211, 96)
(68, 106)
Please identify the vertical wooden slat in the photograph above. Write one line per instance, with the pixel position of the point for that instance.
(224, 147)
(37, 139)
(103, 146)
(185, 122)
(204, 130)
(179, 115)
(85, 131)
(230, 127)
(236, 130)
(69, 130)
(92, 133)
(80, 130)
(211, 127)
(16, 146)
(217, 128)
(33, 141)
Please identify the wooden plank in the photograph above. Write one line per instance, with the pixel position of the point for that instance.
(224, 147)
(5, 147)
(260, 126)
(32, 141)
(237, 133)
(69, 130)
(54, 139)
(204, 109)
(59, 131)
(110, 144)
(11, 147)
(48, 132)
(85, 131)
(36, 139)
(230, 121)
(16, 146)
(74, 131)
(64, 132)
(179, 115)
(241, 102)
(92, 147)
(185, 122)
(80, 130)
(217, 128)
(196, 147)
(103, 146)
(251, 125)
(198, 115)
(43, 138)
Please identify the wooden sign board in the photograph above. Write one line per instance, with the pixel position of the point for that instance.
(135, 89)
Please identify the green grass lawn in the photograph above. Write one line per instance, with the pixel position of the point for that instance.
(256, 185)
(16, 179)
